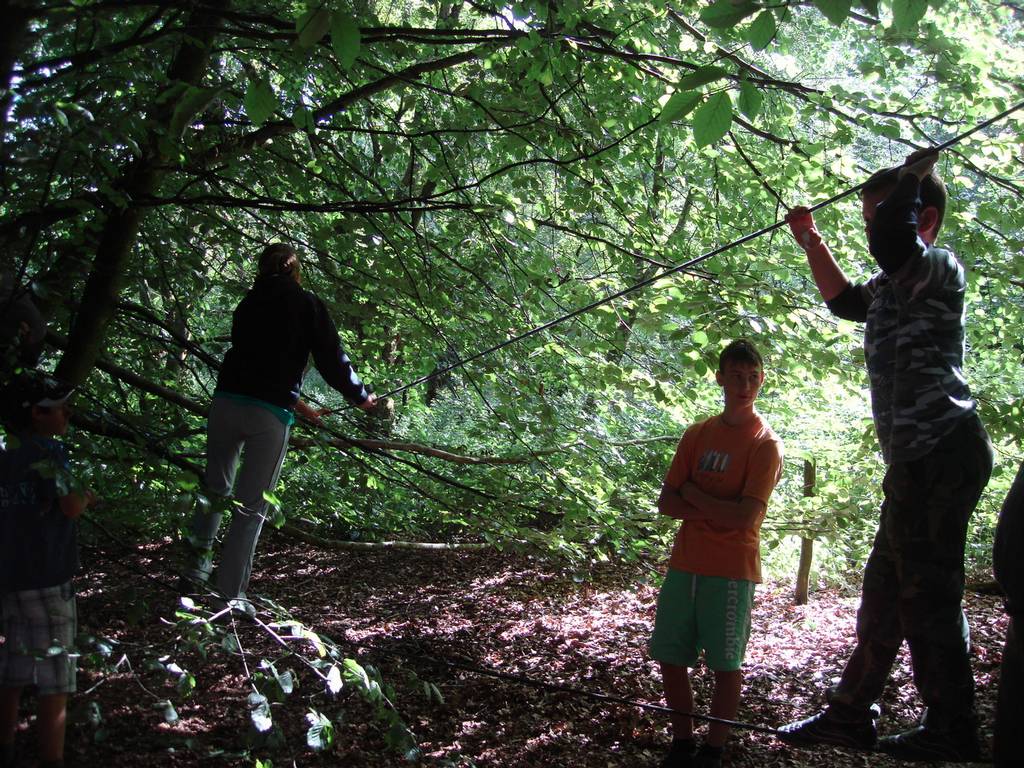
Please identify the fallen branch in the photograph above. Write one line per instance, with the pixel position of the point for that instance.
(421, 546)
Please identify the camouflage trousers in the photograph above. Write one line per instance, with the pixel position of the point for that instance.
(914, 580)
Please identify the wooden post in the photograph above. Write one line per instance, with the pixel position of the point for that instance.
(803, 573)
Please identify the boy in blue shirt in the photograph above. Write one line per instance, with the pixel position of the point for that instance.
(38, 558)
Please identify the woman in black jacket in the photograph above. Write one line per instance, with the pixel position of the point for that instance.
(275, 329)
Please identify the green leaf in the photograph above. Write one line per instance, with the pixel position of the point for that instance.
(726, 13)
(260, 101)
(401, 739)
(286, 681)
(345, 39)
(700, 77)
(761, 31)
(835, 11)
(700, 338)
(907, 13)
(750, 99)
(311, 26)
(354, 674)
(302, 118)
(679, 105)
(712, 121)
(320, 735)
(259, 712)
(194, 102)
(334, 682)
(888, 128)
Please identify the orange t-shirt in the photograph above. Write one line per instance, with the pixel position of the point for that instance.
(728, 463)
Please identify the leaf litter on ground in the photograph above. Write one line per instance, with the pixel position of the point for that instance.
(407, 614)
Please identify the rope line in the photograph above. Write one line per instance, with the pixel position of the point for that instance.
(671, 270)
(590, 694)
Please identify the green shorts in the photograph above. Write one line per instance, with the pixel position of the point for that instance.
(708, 613)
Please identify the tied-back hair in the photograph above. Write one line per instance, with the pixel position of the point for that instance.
(933, 190)
(279, 259)
(740, 351)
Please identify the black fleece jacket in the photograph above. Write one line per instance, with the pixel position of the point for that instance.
(275, 329)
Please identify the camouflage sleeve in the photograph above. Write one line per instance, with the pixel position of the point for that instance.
(851, 304)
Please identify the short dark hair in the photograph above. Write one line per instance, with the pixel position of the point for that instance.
(740, 351)
(933, 190)
(278, 259)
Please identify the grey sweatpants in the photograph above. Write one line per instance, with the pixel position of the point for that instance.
(251, 441)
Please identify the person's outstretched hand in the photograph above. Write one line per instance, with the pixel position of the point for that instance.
(801, 224)
(919, 163)
(369, 403)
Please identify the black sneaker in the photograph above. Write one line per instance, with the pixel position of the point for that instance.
(680, 754)
(926, 744)
(708, 757)
(827, 728)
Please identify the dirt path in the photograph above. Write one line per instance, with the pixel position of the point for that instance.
(399, 612)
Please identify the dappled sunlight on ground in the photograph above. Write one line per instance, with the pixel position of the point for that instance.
(411, 614)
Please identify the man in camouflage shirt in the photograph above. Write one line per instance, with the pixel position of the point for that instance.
(938, 460)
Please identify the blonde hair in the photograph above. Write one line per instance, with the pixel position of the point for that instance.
(279, 259)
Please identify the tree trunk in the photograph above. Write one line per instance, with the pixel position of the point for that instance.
(803, 574)
(422, 546)
(120, 231)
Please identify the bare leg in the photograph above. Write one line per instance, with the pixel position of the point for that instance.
(51, 722)
(678, 695)
(724, 704)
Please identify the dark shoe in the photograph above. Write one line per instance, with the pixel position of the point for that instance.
(925, 744)
(827, 728)
(708, 757)
(680, 754)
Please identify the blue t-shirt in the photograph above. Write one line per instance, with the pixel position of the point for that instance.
(38, 543)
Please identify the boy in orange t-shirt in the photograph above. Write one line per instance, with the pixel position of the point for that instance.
(719, 483)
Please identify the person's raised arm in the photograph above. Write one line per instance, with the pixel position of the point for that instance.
(828, 275)
(894, 235)
(841, 297)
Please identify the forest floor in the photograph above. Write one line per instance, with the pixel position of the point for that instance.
(404, 613)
